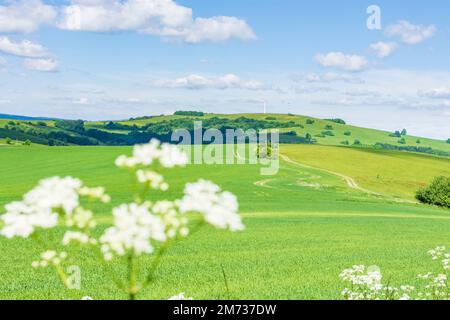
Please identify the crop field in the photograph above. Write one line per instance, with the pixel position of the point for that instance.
(327, 209)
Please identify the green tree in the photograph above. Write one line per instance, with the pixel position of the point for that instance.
(404, 132)
(8, 140)
(357, 142)
(437, 193)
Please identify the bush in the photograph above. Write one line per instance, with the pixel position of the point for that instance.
(396, 134)
(310, 121)
(190, 113)
(8, 140)
(328, 133)
(437, 193)
(448, 140)
(328, 127)
(418, 141)
(402, 141)
(347, 133)
(337, 120)
(345, 143)
(357, 142)
(271, 118)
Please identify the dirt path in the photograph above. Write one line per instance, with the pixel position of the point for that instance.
(349, 180)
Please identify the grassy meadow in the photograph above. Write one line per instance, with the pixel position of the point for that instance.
(303, 225)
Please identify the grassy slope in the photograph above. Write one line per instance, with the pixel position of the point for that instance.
(291, 249)
(390, 173)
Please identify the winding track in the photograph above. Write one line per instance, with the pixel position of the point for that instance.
(349, 180)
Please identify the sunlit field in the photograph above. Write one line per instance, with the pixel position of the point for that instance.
(303, 225)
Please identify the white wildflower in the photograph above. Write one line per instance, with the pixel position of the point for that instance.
(49, 257)
(218, 208)
(77, 236)
(134, 228)
(55, 193)
(21, 219)
(167, 155)
(180, 296)
(175, 222)
(81, 218)
(95, 193)
(152, 179)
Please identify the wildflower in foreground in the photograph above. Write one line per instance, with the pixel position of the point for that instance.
(366, 285)
(138, 227)
(180, 296)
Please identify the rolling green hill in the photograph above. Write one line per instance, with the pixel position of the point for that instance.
(295, 129)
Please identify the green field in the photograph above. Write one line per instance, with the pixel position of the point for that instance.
(327, 209)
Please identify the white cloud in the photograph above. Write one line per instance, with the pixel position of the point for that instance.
(25, 16)
(410, 33)
(24, 48)
(81, 101)
(46, 65)
(157, 17)
(436, 93)
(329, 77)
(349, 62)
(383, 49)
(194, 81)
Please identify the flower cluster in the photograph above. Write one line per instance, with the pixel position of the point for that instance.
(49, 257)
(366, 285)
(218, 208)
(137, 228)
(180, 296)
(41, 207)
(152, 179)
(167, 155)
(134, 227)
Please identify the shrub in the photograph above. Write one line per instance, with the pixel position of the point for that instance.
(328, 133)
(328, 127)
(189, 113)
(418, 141)
(27, 143)
(8, 140)
(402, 141)
(347, 133)
(337, 120)
(271, 118)
(310, 121)
(345, 143)
(396, 134)
(357, 142)
(404, 132)
(448, 140)
(437, 193)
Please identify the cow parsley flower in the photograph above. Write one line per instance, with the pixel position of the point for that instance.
(134, 228)
(218, 208)
(21, 219)
(174, 221)
(49, 257)
(167, 155)
(55, 193)
(180, 296)
(152, 179)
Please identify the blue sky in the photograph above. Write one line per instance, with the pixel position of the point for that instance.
(104, 59)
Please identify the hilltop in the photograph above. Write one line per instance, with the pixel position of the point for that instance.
(294, 129)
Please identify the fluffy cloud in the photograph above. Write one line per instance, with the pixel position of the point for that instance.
(436, 93)
(157, 17)
(46, 65)
(349, 62)
(25, 16)
(194, 81)
(24, 48)
(410, 33)
(383, 49)
(329, 77)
